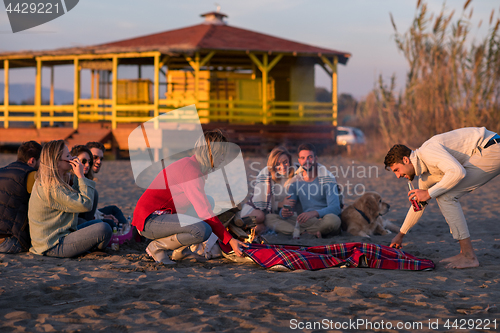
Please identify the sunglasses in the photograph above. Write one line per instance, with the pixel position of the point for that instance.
(85, 161)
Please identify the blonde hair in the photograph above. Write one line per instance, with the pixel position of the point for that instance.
(48, 172)
(272, 162)
(206, 151)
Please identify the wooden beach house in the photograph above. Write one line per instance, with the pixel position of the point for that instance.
(241, 80)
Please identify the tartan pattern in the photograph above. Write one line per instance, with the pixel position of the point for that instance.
(350, 254)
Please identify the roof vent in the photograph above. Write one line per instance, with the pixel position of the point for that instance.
(215, 18)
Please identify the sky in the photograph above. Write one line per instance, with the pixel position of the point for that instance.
(360, 27)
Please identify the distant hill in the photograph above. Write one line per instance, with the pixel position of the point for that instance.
(25, 92)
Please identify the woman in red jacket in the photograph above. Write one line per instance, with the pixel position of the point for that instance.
(160, 213)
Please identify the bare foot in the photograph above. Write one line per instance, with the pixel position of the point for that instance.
(460, 261)
(450, 259)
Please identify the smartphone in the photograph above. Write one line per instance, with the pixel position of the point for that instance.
(288, 207)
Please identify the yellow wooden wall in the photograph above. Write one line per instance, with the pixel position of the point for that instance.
(302, 80)
(134, 91)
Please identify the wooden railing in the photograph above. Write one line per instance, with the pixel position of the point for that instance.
(232, 111)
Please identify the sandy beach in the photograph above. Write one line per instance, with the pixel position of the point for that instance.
(126, 291)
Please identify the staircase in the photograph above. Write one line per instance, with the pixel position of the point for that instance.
(16, 136)
(88, 132)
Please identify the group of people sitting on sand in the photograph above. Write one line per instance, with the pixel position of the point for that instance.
(48, 201)
(60, 203)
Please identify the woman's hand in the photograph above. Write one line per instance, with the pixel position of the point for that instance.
(236, 245)
(77, 167)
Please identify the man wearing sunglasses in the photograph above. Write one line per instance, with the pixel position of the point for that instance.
(97, 150)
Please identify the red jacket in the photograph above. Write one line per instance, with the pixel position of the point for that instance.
(183, 181)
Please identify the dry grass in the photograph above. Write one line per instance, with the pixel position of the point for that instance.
(451, 82)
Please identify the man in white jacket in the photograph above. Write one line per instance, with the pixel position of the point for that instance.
(448, 165)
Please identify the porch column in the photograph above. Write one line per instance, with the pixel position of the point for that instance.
(196, 64)
(264, 88)
(333, 68)
(76, 93)
(38, 94)
(335, 90)
(97, 82)
(156, 90)
(114, 92)
(92, 83)
(6, 94)
(265, 68)
(51, 95)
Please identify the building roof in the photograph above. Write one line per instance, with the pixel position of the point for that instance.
(225, 38)
(201, 37)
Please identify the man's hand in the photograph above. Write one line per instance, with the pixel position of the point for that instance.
(236, 245)
(111, 217)
(304, 217)
(288, 201)
(419, 195)
(286, 213)
(397, 241)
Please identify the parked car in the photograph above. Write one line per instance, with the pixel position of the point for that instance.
(349, 136)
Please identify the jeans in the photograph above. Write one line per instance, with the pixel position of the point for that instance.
(91, 234)
(192, 212)
(160, 226)
(11, 245)
(82, 221)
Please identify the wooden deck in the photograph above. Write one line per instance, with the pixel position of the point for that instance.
(258, 138)
(88, 132)
(262, 138)
(16, 136)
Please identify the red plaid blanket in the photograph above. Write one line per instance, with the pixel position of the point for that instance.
(350, 254)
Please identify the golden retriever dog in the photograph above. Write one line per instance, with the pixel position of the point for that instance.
(364, 217)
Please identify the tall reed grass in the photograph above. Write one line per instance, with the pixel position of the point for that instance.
(452, 81)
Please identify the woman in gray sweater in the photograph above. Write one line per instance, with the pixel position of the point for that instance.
(54, 207)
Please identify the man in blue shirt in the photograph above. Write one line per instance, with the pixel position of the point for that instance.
(314, 195)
